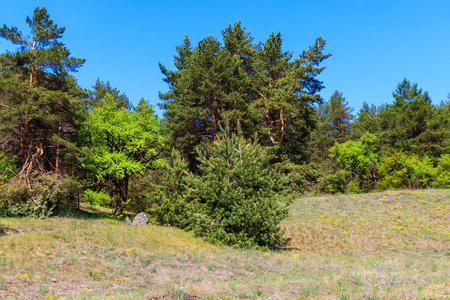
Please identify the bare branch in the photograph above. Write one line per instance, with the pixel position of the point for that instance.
(10, 107)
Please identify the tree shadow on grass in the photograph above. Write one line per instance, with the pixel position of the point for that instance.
(6, 230)
(92, 213)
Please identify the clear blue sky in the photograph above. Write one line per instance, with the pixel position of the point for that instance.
(375, 44)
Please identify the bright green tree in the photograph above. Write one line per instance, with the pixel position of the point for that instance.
(359, 158)
(7, 168)
(123, 143)
(402, 170)
(442, 172)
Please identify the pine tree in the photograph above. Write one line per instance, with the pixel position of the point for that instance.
(238, 196)
(261, 87)
(200, 98)
(333, 126)
(40, 102)
(288, 88)
(339, 116)
(100, 89)
(366, 121)
(406, 119)
(435, 139)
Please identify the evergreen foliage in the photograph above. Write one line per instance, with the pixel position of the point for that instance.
(57, 139)
(174, 197)
(40, 108)
(259, 86)
(239, 195)
(333, 125)
(404, 121)
(366, 121)
(237, 199)
(100, 89)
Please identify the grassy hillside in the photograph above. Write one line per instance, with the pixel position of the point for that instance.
(392, 245)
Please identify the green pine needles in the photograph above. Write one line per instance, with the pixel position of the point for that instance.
(237, 199)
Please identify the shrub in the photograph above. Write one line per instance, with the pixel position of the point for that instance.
(359, 159)
(237, 199)
(42, 196)
(99, 198)
(172, 202)
(335, 182)
(442, 172)
(238, 195)
(7, 168)
(403, 170)
(303, 179)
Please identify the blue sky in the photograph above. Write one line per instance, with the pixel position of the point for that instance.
(374, 44)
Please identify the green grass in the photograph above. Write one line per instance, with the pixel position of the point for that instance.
(391, 245)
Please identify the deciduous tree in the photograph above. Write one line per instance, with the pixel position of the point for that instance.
(123, 143)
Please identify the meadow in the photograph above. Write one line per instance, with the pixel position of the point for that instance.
(387, 245)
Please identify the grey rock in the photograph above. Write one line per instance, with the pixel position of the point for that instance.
(140, 220)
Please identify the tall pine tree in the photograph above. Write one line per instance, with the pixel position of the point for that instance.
(40, 102)
(406, 119)
(260, 87)
(333, 126)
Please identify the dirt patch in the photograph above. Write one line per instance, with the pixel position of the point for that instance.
(10, 231)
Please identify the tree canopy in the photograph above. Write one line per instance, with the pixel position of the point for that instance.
(40, 100)
(122, 143)
(260, 86)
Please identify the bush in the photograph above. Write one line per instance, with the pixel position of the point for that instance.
(239, 196)
(96, 198)
(44, 196)
(358, 161)
(237, 199)
(403, 170)
(303, 179)
(335, 182)
(442, 172)
(172, 198)
(7, 168)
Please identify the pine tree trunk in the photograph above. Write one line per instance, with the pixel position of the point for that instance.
(58, 147)
(23, 139)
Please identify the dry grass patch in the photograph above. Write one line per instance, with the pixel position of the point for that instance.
(344, 247)
(371, 224)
